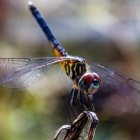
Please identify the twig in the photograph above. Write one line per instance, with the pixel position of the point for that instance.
(86, 120)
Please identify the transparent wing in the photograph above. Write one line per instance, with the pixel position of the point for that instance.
(22, 72)
(116, 91)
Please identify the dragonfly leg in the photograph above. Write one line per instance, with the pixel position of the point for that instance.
(69, 105)
(88, 99)
(72, 102)
(82, 101)
(90, 102)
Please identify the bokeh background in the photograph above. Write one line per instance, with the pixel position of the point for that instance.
(103, 31)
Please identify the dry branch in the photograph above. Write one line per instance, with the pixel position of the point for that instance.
(83, 126)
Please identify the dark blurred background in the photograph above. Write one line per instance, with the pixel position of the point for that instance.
(103, 31)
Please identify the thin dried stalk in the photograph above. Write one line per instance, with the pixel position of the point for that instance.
(73, 132)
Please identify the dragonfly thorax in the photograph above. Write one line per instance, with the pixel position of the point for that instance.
(75, 69)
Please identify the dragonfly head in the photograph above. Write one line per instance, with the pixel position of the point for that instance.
(90, 82)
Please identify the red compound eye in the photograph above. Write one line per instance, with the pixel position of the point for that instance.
(90, 82)
(90, 77)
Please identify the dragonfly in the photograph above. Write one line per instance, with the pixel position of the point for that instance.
(87, 79)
